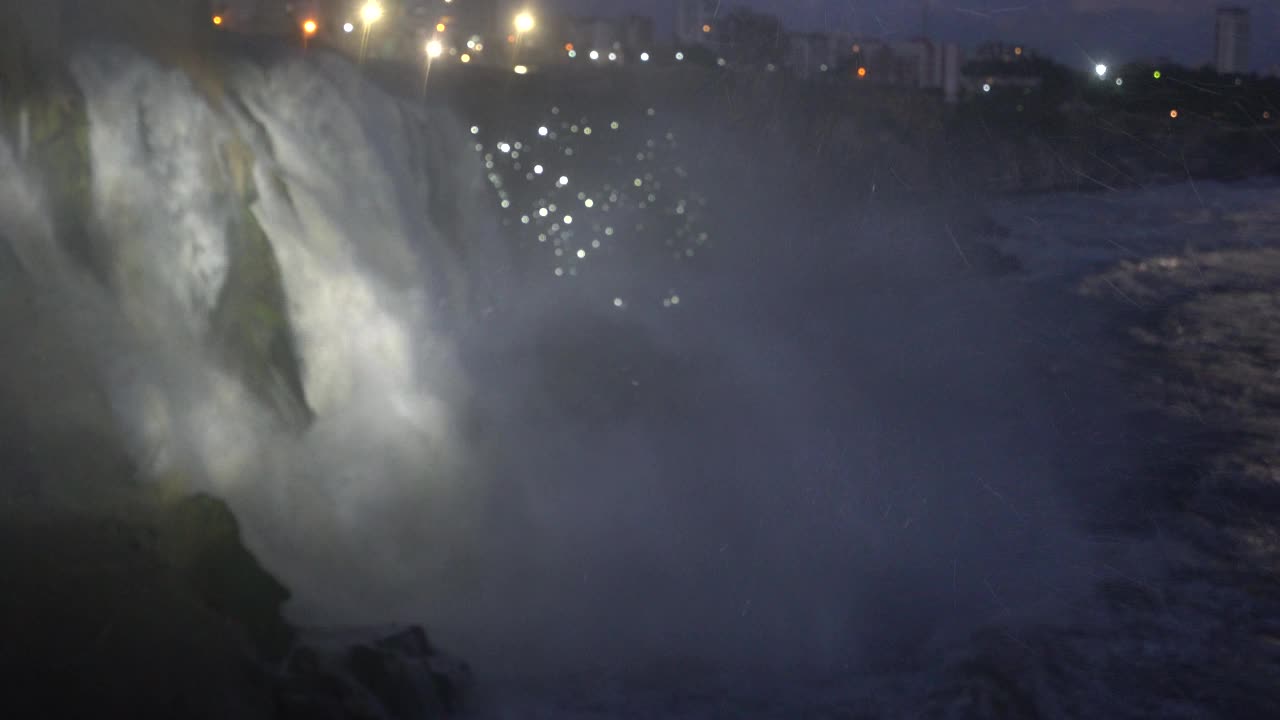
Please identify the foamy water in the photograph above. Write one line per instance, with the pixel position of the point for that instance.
(831, 453)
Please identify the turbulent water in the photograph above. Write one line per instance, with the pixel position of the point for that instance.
(830, 451)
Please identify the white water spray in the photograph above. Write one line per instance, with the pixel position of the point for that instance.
(594, 485)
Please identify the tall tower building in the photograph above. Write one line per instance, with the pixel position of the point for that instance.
(1231, 40)
(695, 21)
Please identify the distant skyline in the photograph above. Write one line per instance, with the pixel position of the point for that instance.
(1076, 32)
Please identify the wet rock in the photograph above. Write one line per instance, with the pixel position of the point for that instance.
(412, 642)
(200, 538)
(395, 675)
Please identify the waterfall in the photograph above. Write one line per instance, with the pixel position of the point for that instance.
(291, 295)
(265, 294)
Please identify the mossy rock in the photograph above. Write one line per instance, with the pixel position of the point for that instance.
(57, 125)
(201, 539)
(97, 622)
(250, 326)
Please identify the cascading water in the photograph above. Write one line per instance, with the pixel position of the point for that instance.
(298, 303)
(260, 296)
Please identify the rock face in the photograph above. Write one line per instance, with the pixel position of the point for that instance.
(131, 610)
(397, 675)
(200, 538)
(143, 616)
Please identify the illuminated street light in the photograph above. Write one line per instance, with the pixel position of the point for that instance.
(595, 55)
(521, 70)
(217, 19)
(440, 27)
(524, 22)
(644, 57)
(309, 28)
(1100, 69)
(433, 50)
(348, 28)
(370, 13)
(679, 56)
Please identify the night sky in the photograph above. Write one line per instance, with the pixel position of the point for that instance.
(1074, 31)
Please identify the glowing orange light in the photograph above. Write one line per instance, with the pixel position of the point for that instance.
(1017, 51)
(1173, 114)
(706, 28)
(440, 27)
(568, 47)
(309, 27)
(511, 38)
(862, 72)
(217, 19)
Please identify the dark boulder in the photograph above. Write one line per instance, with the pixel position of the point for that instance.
(411, 642)
(398, 675)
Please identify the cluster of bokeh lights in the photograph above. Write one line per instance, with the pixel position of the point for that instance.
(581, 189)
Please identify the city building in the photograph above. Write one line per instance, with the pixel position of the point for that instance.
(917, 63)
(952, 75)
(1001, 52)
(695, 22)
(912, 63)
(1231, 40)
(746, 38)
(571, 38)
(810, 53)
(588, 34)
(637, 33)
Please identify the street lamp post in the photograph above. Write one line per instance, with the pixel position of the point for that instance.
(370, 13)
(434, 49)
(524, 23)
(309, 28)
